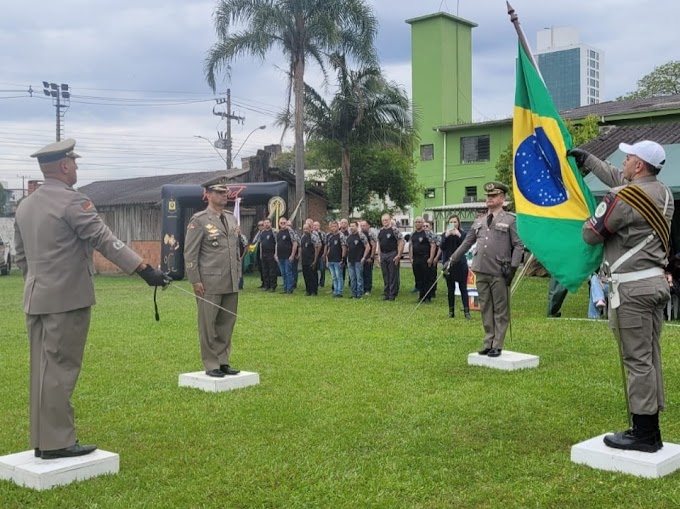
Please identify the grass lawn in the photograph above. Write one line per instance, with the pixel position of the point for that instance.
(356, 407)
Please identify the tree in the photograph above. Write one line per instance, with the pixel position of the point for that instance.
(581, 133)
(365, 110)
(377, 171)
(303, 30)
(3, 200)
(663, 80)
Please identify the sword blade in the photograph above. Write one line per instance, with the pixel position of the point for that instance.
(426, 294)
(228, 311)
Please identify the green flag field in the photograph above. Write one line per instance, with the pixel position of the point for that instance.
(356, 407)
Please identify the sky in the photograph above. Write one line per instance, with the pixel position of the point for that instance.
(140, 99)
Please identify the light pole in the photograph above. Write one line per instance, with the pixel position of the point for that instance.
(214, 148)
(244, 141)
(57, 93)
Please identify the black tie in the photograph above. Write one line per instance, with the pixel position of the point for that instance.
(224, 222)
(489, 220)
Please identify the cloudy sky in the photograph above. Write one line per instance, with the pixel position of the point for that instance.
(139, 96)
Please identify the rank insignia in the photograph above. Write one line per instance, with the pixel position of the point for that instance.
(88, 205)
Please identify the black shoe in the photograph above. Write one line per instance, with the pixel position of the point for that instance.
(217, 373)
(386, 297)
(228, 370)
(485, 351)
(392, 298)
(632, 440)
(467, 315)
(68, 452)
(494, 352)
(556, 315)
(36, 452)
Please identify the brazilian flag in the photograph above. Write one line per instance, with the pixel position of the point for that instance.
(551, 200)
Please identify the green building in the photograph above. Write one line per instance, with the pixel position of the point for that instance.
(457, 156)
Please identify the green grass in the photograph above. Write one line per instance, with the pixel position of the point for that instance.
(355, 408)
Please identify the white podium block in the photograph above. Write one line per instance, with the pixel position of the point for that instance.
(25, 469)
(508, 361)
(596, 454)
(199, 380)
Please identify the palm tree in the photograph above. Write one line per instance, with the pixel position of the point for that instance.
(302, 30)
(366, 109)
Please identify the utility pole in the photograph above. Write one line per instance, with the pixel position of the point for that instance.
(229, 117)
(58, 93)
(23, 184)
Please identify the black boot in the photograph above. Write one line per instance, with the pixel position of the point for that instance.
(645, 435)
(452, 312)
(467, 314)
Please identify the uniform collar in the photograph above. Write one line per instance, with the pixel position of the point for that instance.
(56, 183)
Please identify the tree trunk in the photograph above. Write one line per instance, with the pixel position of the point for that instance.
(299, 90)
(344, 192)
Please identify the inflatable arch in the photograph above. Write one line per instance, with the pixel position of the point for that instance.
(176, 199)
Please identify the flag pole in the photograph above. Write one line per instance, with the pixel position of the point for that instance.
(514, 19)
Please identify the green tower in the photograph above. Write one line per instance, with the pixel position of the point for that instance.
(441, 67)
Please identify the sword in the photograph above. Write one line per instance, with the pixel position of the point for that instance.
(224, 309)
(614, 317)
(426, 294)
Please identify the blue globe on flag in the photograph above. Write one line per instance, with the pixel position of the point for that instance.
(537, 171)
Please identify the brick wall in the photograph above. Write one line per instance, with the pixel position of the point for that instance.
(150, 250)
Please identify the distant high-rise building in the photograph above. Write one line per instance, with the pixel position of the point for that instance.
(573, 72)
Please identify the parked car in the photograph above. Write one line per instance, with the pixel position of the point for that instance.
(5, 260)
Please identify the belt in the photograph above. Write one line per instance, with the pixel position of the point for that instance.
(627, 277)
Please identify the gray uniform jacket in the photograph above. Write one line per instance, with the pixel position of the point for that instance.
(55, 232)
(497, 245)
(212, 254)
(624, 226)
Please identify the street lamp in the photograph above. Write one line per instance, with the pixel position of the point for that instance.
(244, 141)
(214, 148)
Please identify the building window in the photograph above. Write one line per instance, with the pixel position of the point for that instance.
(426, 152)
(430, 192)
(474, 149)
(471, 191)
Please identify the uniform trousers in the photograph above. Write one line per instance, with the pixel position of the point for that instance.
(368, 276)
(215, 327)
(390, 273)
(311, 278)
(270, 272)
(494, 305)
(640, 318)
(57, 344)
(423, 274)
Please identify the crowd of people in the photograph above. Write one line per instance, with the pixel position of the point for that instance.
(348, 251)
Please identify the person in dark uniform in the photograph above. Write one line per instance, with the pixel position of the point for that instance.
(243, 245)
(212, 256)
(391, 246)
(369, 262)
(421, 255)
(256, 254)
(343, 227)
(286, 247)
(499, 253)
(336, 250)
(633, 223)
(295, 264)
(321, 265)
(358, 250)
(55, 232)
(457, 272)
(310, 246)
(267, 256)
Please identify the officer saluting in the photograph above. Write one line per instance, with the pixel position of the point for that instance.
(498, 254)
(55, 232)
(212, 258)
(633, 222)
